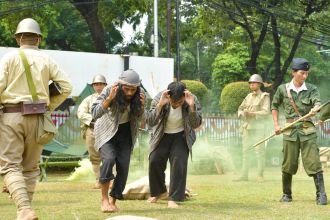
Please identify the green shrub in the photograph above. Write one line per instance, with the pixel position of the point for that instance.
(232, 96)
(197, 88)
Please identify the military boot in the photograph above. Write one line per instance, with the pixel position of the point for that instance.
(321, 196)
(286, 184)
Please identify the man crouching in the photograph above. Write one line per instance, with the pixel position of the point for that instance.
(173, 116)
(117, 112)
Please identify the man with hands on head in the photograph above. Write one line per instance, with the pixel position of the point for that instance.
(117, 111)
(173, 116)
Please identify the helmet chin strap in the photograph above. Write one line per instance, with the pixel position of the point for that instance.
(20, 40)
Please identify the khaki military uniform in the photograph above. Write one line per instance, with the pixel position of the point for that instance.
(85, 116)
(253, 128)
(19, 150)
(302, 136)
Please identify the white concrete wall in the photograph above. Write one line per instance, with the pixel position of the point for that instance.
(156, 73)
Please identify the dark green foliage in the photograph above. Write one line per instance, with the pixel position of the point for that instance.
(197, 88)
(232, 96)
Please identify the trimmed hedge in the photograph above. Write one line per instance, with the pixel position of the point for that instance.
(232, 96)
(197, 88)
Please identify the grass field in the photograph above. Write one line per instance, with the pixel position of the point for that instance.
(218, 198)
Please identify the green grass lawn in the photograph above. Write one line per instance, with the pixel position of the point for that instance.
(218, 198)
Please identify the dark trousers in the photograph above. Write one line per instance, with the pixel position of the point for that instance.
(117, 151)
(172, 147)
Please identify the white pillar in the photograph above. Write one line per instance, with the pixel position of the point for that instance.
(155, 28)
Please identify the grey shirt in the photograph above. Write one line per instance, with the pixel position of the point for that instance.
(107, 120)
(157, 121)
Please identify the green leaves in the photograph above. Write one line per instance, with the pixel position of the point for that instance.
(230, 66)
(232, 96)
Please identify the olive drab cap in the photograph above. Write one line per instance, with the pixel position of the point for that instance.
(99, 79)
(130, 78)
(300, 64)
(256, 78)
(28, 25)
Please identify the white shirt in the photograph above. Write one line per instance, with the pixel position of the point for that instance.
(301, 88)
(174, 123)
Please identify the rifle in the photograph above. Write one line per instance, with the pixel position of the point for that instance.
(293, 123)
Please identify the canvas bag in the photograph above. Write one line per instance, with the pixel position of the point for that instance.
(46, 128)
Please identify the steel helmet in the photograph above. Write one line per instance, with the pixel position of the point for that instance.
(130, 77)
(28, 25)
(256, 78)
(99, 79)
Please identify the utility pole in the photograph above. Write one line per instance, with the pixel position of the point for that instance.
(177, 40)
(168, 28)
(155, 28)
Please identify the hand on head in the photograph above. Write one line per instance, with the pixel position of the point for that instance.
(165, 98)
(189, 98)
(113, 91)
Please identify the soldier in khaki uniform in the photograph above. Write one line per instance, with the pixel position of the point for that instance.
(299, 98)
(19, 150)
(84, 114)
(253, 110)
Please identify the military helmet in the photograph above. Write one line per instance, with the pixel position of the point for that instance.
(28, 25)
(255, 78)
(130, 77)
(99, 79)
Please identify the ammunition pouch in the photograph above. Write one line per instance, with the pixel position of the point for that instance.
(46, 129)
(308, 127)
(287, 131)
(32, 108)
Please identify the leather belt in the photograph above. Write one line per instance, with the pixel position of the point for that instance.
(13, 109)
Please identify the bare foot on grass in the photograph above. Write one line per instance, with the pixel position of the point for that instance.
(154, 199)
(172, 205)
(105, 206)
(112, 202)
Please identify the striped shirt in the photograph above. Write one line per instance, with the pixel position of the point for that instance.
(107, 120)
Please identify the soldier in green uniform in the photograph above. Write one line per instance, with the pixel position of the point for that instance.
(253, 110)
(297, 99)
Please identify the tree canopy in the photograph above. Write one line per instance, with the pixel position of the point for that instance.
(222, 41)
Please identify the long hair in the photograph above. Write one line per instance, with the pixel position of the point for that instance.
(135, 102)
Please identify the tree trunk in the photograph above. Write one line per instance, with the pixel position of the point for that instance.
(279, 75)
(89, 9)
(256, 46)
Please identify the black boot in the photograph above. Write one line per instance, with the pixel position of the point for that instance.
(321, 196)
(286, 184)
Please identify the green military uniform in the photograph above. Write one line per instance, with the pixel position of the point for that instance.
(299, 98)
(302, 136)
(253, 128)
